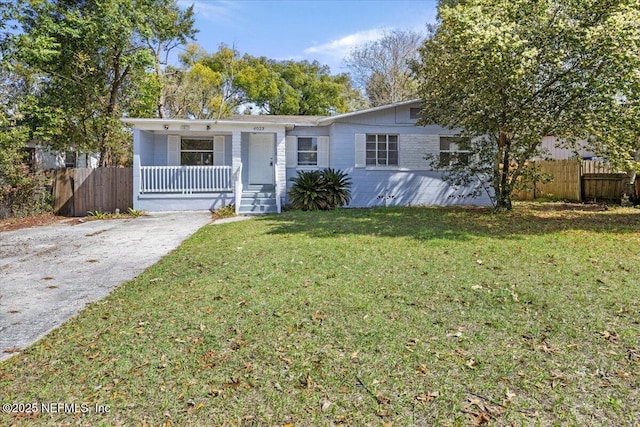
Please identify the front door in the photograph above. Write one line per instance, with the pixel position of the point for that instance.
(261, 148)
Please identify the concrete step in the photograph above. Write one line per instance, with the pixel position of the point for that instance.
(257, 202)
(257, 209)
(260, 188)
(258, 195)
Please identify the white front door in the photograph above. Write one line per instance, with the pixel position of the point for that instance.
(261, 153)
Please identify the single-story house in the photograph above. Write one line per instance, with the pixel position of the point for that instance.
(248, 160)
(41, 157)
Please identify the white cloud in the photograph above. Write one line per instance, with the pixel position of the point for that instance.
(339, 48)
(210, 10)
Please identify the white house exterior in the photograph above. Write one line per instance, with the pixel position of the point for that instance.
(44, 158)
(249, 160)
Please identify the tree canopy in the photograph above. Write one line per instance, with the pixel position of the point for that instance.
(90, 63)
(214, 85)
(381, 68)
(506, 73)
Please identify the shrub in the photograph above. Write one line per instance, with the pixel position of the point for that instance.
(320, 190)
(225, 212)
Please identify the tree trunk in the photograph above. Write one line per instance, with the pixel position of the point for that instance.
(503, 190)
(160, 77)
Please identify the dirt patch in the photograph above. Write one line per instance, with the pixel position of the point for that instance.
(32, 221)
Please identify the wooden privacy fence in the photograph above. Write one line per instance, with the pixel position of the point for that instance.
(79, 191)
(580, 180)
(565, 184)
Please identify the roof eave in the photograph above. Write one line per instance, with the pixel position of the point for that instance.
(331, 119)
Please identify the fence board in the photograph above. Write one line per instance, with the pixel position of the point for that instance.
(565, 184)
(603, 186)
(575, 180)
(62, 193)
(82, 190)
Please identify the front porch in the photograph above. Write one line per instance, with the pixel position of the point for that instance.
(207, 183)
(206, 165)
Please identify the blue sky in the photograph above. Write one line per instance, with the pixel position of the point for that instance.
(324, 30)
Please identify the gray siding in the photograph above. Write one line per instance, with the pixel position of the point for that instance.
(160, 203)
(411, 183)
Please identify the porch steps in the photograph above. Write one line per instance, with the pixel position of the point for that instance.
(258, 199)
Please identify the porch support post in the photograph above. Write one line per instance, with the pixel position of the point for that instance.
(281, 176)
(137, 140)
(236, 166)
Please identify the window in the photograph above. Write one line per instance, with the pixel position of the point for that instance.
(307, 151)
(196, 152)
(453, 151)
(70, 159)
(414, 113)
(382, 150)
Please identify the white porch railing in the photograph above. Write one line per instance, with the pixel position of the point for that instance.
(185, 179)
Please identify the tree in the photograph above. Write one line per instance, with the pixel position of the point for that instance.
(381, 67)
(95, 60)
(166, 27)
(302, 88)
(506, 73)
(202, 88)
(215, 85)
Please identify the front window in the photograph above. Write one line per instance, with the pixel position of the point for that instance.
(382, 150)
(454, 151)
(307, 151)
(196, 152)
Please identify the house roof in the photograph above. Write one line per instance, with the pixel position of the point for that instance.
(276, 119)
(330, 119)
(272, 119)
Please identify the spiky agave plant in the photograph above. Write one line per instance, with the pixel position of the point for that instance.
(308, 192)
(320, 190)
(337, 185)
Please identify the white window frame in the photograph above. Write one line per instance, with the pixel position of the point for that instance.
(314, 143)
(212, 151)
(453, 151)
(377, 150)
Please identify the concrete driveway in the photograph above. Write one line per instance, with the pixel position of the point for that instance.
(48, 274)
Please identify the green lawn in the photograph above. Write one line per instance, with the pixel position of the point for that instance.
(414, 316)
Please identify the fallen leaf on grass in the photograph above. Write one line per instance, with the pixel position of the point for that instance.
(325, 404)
(609, 336)
(423, 369)
(427, 397)
(481, 412)
(382, 399)
(509, 395)
(318, 317)
(286, 360)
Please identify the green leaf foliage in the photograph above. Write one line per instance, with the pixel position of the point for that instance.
(512, 72)
(91, 64)
(216, 85)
